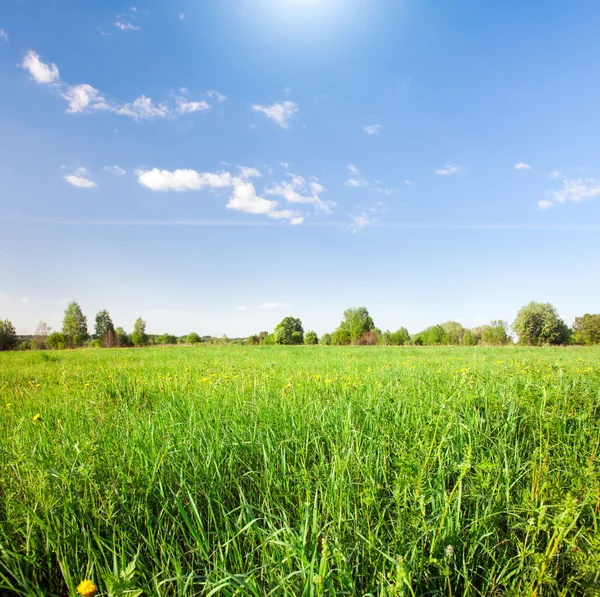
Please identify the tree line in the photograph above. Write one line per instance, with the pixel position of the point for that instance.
(536, 324)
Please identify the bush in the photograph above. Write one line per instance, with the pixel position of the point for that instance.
(97, 343)
(8, 335)
(193, 338)
(25, 345)
(56, 341)
(538, 324)
(311, 338)
(586, 329)
(326, 339)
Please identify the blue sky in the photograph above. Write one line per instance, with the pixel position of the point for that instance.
(217, 165)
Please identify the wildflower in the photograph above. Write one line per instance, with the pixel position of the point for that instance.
(449, 552)
(87, 588)
(37, 417)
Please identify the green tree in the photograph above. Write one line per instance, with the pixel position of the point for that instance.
(311, 338)
(496, 334)
(8, 335)
(326, 339)
(469, 338)
(166, 339)
(453, 333)
(538, 324)
(56, 341)
(139, 336)
(123, 338)
(75, 328)
(355, 323)
(193, 338)
(105, 329)
(289, 331)
(586, 329)
(400, 337)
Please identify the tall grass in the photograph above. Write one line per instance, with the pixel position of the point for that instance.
(301, 471)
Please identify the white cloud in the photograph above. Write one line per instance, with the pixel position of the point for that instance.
(244, 198)
(279, 113)
(181, 16)
(545, 204)
(218, 97)
(298, 191)
(284, 165)
(353, 169)
(125, 25)
(3, 35)
(184, 107)
(248, 173)
(241, 308)
(41, 72)
(372, 129)
(555, 174)
(448, 170)
(142, 108)
(273, 305)
(82, 98)
(182, 180)
(79, 179)
(574, 191)
(357, 179)
(522, 166)
(354, 182)
(115, 170)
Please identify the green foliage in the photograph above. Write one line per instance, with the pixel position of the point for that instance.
(122, 583)
(289, 331)
(8, 335)
(38, 342)
(453, 333)
(400, 337)
(355, 323)
(96, 343)
(341, 337)
(139, 336)
(105, 330)
(311, 338)
(538, 324)
(25, 345)
(496, 334)
(325, 339)
(56, 341)
(469, 338)
(193, 338)
(586, 329)
(432, 336)
(166, 339)
(123, 338)
(74, 328)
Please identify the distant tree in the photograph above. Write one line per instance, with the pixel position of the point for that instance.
(96, 343)
(469, 338)
(496, 334)
(8, 335)
(586, 329)
(139, 336)
(56, 341)
(123, 338)
(355, 323)
(400, 337)
(341, 337)
(105, 329)
(38, 342)
(25, 346)
(253, 340)
(538, 324)
(369, 338)
(74, 326)
(193, 338)
(289, 331)
(453, 333)
(166, 339)
(326, 339)
(311, 338)
(432, 336)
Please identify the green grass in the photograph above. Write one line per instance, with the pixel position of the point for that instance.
(301, 471)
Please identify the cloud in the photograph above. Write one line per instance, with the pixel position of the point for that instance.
(82, 98)
(142, 108)
(41, 72)
(79, 179)
(274, 305)
(353, 182)
(522, 166)
(115, 170)
(184, 107)
(241, 308)
(218, 97)
(279, 113)
(372, 129)
(448, 170)
(182, 180)
(299, 191)
(125, 25)
(554, 174)
(3, 35)
(284, 165)
(248, 173)
(357, 180)
(574, 190)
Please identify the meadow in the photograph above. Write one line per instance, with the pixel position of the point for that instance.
(301, 471)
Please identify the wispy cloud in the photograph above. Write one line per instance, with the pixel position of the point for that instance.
(218, 97)
(574, 190)
(555, 174)
(356, 180)
(274, 305)
(125, 25)
(41, 72)
(372, 129)
(449, 170)
(79, 179)
(3, 35)
(279, 113)
(299, 190)
(115, 170)
(185, 107)
(241, 308)
(522, 166)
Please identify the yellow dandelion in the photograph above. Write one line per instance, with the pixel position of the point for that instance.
(37, 417)
(87, 588)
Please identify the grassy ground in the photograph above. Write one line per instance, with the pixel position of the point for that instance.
(301, 471)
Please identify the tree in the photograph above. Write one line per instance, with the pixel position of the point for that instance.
(105, 329)
(193, 338)
(586, 329)
(453, 332)
(496, 334)
(122, 337)
(355, 323)
(289, 331)
(38, 341)
(311, 338)
(326, 339)
(8, 335)
(166, 339)
(56, 341)
(400, 337)
(469, 338)
(139, 336)
(74, 326)
(369, 338)
(538, 324)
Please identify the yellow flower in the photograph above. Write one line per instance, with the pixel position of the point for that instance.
(37, 417)
(87, 588)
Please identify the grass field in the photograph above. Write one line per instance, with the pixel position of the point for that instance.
(301, 471)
